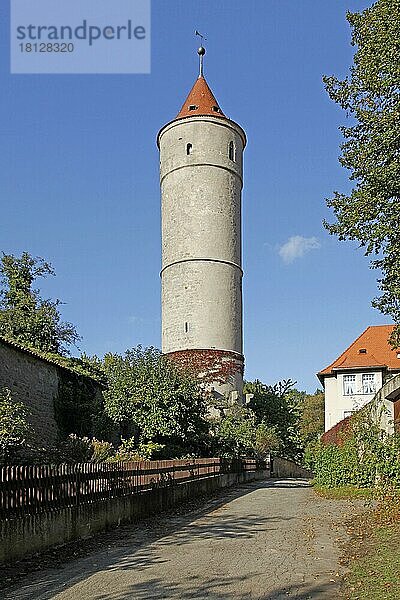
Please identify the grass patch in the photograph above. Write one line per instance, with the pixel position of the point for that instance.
(342, 492)
(375, 575)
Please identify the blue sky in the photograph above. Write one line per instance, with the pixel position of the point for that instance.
(79, 180)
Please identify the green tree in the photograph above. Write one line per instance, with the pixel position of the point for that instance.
(267, 440)
(234, 434)
(24, 316)
(278, 406)
(15, 431)
(370, 95)
(238, 434)
(152, 400)
(312, 417)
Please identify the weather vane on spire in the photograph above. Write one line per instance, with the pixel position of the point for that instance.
(201, 52)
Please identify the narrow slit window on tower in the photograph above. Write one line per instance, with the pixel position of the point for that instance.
(231, 152)
(189, 148)
(186, 327)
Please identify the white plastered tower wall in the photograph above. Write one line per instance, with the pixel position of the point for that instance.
(201, 184)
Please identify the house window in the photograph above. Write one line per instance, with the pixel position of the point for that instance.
(232, 151)
(349, 385)
(189, 149)
(368, 383)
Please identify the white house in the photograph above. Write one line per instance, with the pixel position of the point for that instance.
(353, 379)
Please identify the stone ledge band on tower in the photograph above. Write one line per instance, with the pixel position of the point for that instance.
(216, 260)
(203, 164)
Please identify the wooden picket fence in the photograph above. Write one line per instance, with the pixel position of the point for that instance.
(32, 489)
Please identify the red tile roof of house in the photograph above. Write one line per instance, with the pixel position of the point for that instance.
(379, 353)
(200, 101)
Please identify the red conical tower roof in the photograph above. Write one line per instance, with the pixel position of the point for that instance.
(200, 101)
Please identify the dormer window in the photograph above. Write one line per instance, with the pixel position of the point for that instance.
(362, 351)
(193, 107)
(216, 109)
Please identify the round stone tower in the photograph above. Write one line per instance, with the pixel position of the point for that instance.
(201, 181)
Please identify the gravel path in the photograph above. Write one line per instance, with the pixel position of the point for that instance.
(272, 540)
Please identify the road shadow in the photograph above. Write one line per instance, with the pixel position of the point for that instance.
(138, 547)
(219, 588)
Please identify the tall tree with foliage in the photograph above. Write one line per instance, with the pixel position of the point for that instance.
(153, 400)
(24, 316)
(238, 434)
(312, 417)
(370, 95)
(277, 406)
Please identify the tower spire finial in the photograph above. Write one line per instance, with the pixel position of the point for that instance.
(201, 52)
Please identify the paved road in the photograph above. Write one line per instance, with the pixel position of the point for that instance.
(271, 540)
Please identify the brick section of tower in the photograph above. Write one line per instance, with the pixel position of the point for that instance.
(210, 366)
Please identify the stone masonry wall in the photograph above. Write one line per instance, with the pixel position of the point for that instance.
(59, 400)
(33, 382)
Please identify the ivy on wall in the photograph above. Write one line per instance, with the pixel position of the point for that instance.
(362, 454)
(210, 366)
(79, 407)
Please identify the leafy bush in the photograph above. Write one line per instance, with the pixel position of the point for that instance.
(75, 449)
(267, 440)
(297, 417)
(101, 451)
(152, 400)
(366, 456)
(15, 431)
(129, 451)
(234, 434)
(237, 434)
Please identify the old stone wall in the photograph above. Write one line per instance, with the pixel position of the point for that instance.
(59, 400)
(33, 382)
(282, 468)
